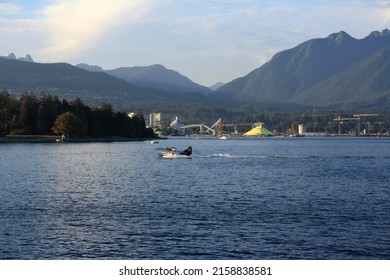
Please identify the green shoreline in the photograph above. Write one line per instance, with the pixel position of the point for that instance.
(57, 139)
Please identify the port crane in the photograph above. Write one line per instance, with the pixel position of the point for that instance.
(356, 117)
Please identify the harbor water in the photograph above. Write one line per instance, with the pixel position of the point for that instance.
(262, 198)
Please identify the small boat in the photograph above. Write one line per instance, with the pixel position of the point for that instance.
(223, 137)
(154, 142)
(172, 152)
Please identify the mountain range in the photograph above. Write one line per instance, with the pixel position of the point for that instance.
(154, 76)
(334, 72)
(69, 81)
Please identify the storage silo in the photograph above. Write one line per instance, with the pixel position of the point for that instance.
(301, 129)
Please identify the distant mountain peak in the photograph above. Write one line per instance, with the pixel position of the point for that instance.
(27, 58)
(216, 86)
(340, 37)
(385, 32)
(91, 68)
(12, 56)
(158, 66)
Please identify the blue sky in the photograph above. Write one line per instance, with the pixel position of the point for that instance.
(208, 41)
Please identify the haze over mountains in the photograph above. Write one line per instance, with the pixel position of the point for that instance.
(336, 72)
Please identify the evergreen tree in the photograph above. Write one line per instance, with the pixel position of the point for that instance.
(8, 111)
(27, 107)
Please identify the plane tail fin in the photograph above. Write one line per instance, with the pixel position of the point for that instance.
(187, 151)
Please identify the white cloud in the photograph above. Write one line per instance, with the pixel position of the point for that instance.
(74, 26)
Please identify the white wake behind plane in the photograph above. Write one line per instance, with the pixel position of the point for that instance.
(172, 152)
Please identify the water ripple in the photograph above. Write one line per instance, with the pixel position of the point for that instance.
(252, 199)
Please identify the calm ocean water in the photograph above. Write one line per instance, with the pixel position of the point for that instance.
(273, 198)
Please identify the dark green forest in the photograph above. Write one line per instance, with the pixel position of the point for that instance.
(48, 115)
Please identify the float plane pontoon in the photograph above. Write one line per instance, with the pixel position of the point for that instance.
(172, 152)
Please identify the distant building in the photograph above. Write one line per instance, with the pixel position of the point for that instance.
(155, 120)
(301, 129)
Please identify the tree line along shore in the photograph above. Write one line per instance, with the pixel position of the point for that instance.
(28, 117)
(46, 118)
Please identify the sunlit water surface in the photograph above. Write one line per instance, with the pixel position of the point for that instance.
(301, 198)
